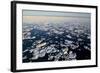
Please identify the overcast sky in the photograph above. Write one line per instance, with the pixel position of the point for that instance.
(30, 16)
(54, 13)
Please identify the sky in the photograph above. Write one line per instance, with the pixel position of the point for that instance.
(31, 16)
